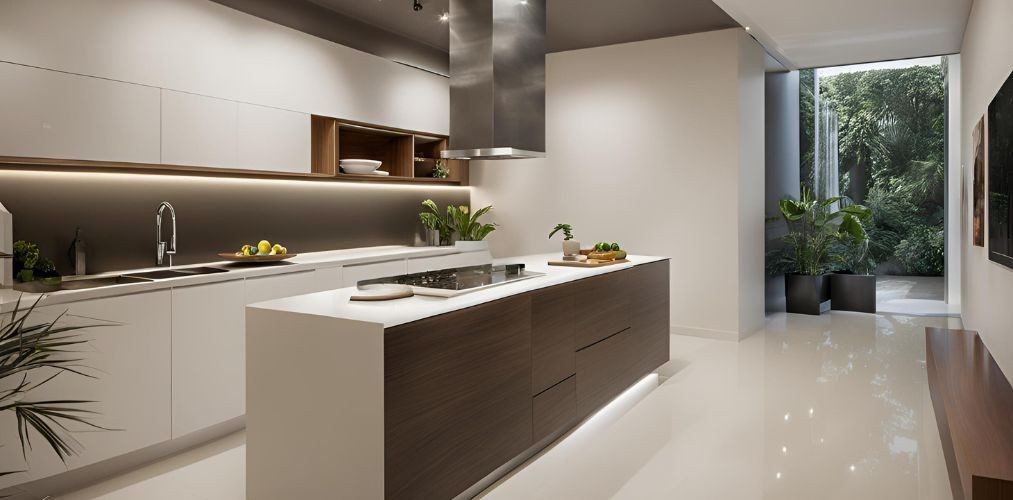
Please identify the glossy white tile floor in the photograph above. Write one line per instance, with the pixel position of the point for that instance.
(830, 407)
(913, 295)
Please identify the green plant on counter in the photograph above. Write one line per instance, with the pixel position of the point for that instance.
(468, 226)
(29, 265)
(565, 228)
(433, 220)
(30, 357)
(815, 226)
(441, 170)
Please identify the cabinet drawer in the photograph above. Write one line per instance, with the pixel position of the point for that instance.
(650, 311)
(607, 368)
(601, 307)
(555, 409)
(552, 340)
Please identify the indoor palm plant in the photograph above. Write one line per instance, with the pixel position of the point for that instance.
(31, 356)
(814, 227)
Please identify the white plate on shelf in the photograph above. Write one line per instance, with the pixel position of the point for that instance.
(359, 166)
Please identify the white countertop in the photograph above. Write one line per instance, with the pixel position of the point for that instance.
(336, 303)
(302, 262)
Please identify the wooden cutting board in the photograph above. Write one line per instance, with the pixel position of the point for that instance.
(586, 263)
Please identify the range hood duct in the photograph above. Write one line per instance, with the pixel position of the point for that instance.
(497, 79)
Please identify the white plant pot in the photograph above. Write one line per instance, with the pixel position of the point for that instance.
(472, 246)
(571, 247)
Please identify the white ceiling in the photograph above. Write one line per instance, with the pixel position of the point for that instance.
(819, 33)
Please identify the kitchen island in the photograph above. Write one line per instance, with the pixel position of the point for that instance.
(429, 397)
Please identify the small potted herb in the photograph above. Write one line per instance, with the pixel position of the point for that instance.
(571, 246)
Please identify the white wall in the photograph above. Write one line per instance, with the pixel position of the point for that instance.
(986, 60)
(953, 185)
(657, 145)
(200, 47)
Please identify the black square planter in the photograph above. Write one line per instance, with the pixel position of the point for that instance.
(853, 292)
(807, 294)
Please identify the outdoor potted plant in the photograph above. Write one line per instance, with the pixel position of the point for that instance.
(470, 232)
(814, 226)
(571, 247)
(853, 286)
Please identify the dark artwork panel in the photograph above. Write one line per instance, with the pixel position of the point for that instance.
(978, 143)
(1000, 174)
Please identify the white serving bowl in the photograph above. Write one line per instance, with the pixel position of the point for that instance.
(359, 166)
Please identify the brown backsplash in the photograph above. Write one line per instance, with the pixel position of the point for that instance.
(116, 212)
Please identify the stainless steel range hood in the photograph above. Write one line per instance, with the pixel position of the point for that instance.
(497, 79)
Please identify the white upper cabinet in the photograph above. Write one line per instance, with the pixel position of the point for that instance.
(49, 114)
(272, 139)
(198, 130)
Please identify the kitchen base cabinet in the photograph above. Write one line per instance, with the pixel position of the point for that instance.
(128, 354)
(552, 336)
(555, 410)
(351, 275)
(457, 400)
(602, 307)
(208, 355)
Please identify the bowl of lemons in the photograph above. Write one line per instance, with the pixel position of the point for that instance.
(263, 251)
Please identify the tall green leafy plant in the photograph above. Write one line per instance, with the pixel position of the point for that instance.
(467, 225)
(433, 220)
(31, 356)
(814, 226)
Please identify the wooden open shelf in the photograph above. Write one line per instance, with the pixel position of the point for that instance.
(409, 156)
(62, 165)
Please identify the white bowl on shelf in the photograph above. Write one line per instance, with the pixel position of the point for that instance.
(359, 166)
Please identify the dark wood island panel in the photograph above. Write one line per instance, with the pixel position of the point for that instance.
(457, 398)
(973, 403)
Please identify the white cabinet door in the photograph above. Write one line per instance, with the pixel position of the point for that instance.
(277, 287)
(131, 389)
(350, 275)
(208, 355)
(464, 259)
(48, 114)
(328, 278)
(273, 139)
(198, 130)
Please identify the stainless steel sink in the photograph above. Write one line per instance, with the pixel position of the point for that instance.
(123, 279)
(162, 274)
(86, 283)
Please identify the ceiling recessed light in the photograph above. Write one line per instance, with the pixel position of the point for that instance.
(444, 17)
(524, 2)
(747, 28)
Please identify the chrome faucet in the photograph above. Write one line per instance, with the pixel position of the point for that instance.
(161, 249)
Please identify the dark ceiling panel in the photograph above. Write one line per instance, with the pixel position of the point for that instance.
(392, 29)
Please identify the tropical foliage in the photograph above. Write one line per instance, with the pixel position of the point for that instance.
(820, 237)
(892, 141)
(467, 225)
(31, 356)
(458, 220)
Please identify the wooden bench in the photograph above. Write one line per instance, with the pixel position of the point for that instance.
(973, 403)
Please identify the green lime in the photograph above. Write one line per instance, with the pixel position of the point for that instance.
(615, 247)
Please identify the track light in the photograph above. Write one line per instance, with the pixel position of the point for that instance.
(417, 5)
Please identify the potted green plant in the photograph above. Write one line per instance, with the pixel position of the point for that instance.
(571, 247)
(439, 228)
(470, 231)
(32, 355)
(37, 273)
(814, 226)
(852, 285)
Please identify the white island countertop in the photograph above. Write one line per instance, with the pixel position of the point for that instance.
(299, 263)
(336, 304)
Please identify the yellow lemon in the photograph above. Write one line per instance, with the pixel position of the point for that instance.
(264, 246)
